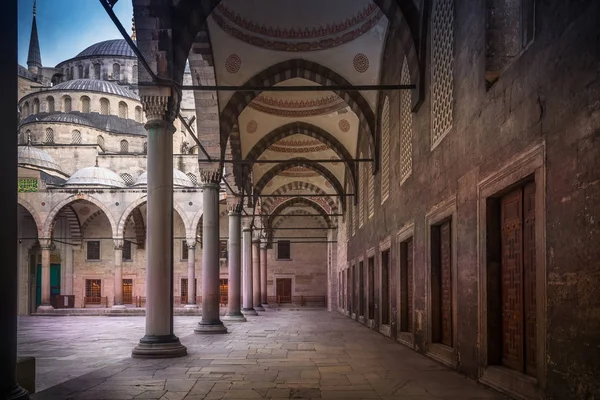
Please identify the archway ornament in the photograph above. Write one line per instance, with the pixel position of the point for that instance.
(49, 222)
(36, 218)
(278, 212)
(270, 203)
(131, 207)
(307, 129)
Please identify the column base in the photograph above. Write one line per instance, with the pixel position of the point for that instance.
(191, 306)
(249, 311)
(17, 393)
(118, 307)
(234, 318)
(43, 308)
(216, 327)
(167, 346)
(259, 308)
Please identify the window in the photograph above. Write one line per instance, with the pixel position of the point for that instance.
(138, 114)
(93, 291)
(385, 150)
(104, 106)
(76, 137)
(193, 178)
(349, 281)
(93, 250)
(116, 72)
(87, 71)
(80, 72)
(67, 104)
(405, 125)
(128, 179)
(361, 192)
(371, 284)
(25, 109)
(361, 289)
(85, 104)
(145, 148)
(49, 137)
(27, 185)
(72, 73)
(50, 104)
(100, 142)
(134, 72)
(184, 250)
(352, 293)
(385, 287)
(36, 106)
(122, 109)
(184, 289)
(28, 137)
(283, 250)
(442, 69)
(223, 249)
(124, 146)
(127, 291)
(371, 191)
(509, 28)
(406, 286)
(97, 71)
(126, 251)
(441, 283)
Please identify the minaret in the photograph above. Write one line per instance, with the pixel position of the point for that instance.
(34, 59)
(133, 35)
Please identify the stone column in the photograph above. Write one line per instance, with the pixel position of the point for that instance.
(235, 267)
(256, 299)
(159, 340)
(46, 246)
(118, 302)
(191, 301)
(248, 308)
(210, 323)
(263, 274)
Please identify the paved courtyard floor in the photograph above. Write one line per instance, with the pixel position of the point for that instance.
(277, 355)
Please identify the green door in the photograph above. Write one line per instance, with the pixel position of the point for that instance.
(54, 282)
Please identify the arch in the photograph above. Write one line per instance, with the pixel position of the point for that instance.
(138, 114)
(124, 146)
(100, 142)
(123, 110)
(76, 137)
(26, 205)
(97, 70)
(196, 223)
(36, 106)
(303, 128)
(279, 221)
(67, 104)
(48, 223)
(116, 72)
(25, 109)
(50, 104)
(295, 201)
(80, 72)
(286, 70)
(299, 185)
(85, 104)
(72, 221)
(327, 174)
(120, 227)
(104, 106)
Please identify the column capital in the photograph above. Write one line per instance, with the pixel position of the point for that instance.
(190, 242)
(160, 105)
(234, 206)
(118, 242)
(45, 243)
(264, 245)
(246, 229)
(210, 179)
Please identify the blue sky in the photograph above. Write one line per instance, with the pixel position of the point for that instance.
(66, 27)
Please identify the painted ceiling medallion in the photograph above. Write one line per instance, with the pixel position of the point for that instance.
(344, 125)
(233, 63)
(296, 39)
(361, 63)
(252, 127)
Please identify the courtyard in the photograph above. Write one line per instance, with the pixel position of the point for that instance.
(279, 354)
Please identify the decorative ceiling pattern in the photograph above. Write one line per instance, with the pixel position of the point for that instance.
(298, 108)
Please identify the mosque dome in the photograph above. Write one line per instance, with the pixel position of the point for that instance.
(95, 176)
(30, 156)
(117, 47)
(179, 179)
(67, 119)
(96, 85)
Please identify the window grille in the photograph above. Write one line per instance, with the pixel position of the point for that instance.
(104, 106)
(76, 137)
(117, 72)
(50, 104)
(128, 179)
(27, 185)
(353, 206)
(122, 109)
(85, 104)
(370, 190)
(93, 290)
(138, 114)
(361, 193)
(126, 253)
(97, 71)
(49, 139)
(184, 250)
(93, 250)
(405, 126)
(385, 150)
(283, 250)
(124, 146)
(134, 73)
(193, 178)
(67, 104)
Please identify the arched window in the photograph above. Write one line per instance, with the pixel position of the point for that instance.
(385, 150)
(85, 104)
(116, 72)
(49, 138)
(96, 71)
(104, 106)
(138, 114)
(36, 106)
(100, 141)
(87, 71)
(72, 73)
(28, 137)
(67, 103)
(80, 72)
(134, 73)
(122, 109)
(25, 110)
(50, 104)
(75, 137)
(145, 148)
(124, 146)
(128, 179)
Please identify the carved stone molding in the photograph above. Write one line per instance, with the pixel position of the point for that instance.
(191, 243)
(234, 206)
(159, 108)
(210, 178)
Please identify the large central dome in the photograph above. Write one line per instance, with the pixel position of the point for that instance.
(116, 47)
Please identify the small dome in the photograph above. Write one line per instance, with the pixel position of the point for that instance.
(34, 157)
(95, 85)
(116, 47)
(68, 119)
(179, 179)
(96, 176)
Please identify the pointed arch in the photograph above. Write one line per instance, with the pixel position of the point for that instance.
(299, 185)
(296, 201)
(49, 222)
(38, 221)
(120, 230)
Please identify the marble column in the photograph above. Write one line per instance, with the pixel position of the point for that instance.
(234, 312)
(263, 274)
(191, 300)
(256, 299)
(159, 340)
(46, 246)
(248, 308)
(210, 323)
(118, 301)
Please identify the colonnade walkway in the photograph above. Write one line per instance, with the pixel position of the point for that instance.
(276, 355)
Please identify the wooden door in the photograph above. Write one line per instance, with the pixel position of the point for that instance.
(127, 291)
(284, 290)
(409, 286)
(446, 283)
(529, 270)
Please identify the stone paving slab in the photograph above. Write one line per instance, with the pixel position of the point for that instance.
(276, 355)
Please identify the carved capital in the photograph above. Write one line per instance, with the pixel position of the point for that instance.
(234, 205)
(191, 243)
(45, 243)
(210, 179)
(160, 108)
(118, 242)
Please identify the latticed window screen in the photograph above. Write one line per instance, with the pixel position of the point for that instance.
(385, 150)
(87, 71)
(27, 185)
(104, 106)
(85, 104)
(353, 222)
(122, 109)
(134, 72)
(128, 179)
(100, 141)
(442, 70)
(370, 190)
(361, 193)
(25, 110)
(93, 250)
(67, 102)
(184, 250)
(49, 138)
(193, 178)
(97, 71)
(76, 137)
(138, 114)
(50, 104)
(124, 146)
(405, 126)
(117, 72)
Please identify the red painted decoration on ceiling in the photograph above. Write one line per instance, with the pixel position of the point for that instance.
(361, 63)
(233, 63)
(344, 125)
(252, 127)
